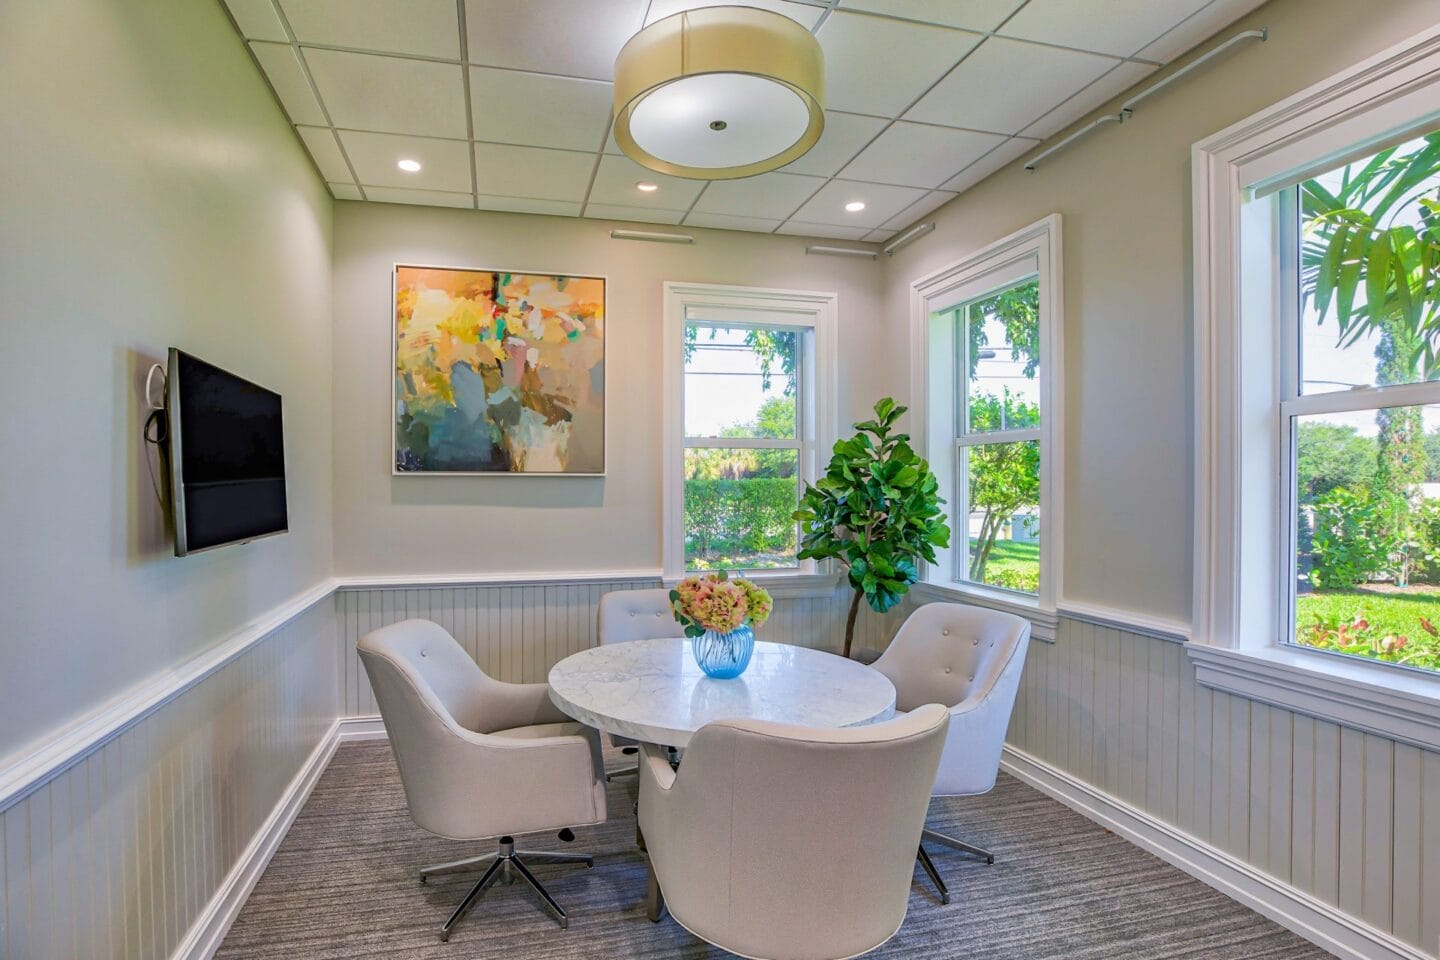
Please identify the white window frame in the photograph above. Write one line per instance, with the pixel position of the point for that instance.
(937, 378)
(761, 307)
(1244, 348)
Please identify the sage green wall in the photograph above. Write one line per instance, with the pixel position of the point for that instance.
(152, 195)
(458, 525)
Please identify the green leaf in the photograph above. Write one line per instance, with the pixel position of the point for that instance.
(1377, 275)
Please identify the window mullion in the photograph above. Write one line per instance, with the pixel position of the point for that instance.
(997, 436)
(1363, 398)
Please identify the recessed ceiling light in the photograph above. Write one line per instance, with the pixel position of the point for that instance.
(855, 206)
(645, 186)
(409, 166)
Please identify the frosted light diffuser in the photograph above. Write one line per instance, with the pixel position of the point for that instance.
(719, 93)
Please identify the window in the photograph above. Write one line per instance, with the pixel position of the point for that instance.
(1317, 309)
(986, 330)
(749, 386)
(744, 417)
(1363, 526)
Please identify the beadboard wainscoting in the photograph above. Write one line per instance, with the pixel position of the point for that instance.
(518, 631)
(134, 845)
(1115, 720)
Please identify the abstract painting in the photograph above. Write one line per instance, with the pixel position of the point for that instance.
(498, 372)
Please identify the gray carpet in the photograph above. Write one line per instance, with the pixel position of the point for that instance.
(343, 885)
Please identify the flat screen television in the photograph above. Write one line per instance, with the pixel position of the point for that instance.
(227, 456)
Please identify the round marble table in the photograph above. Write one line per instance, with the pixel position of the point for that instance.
(653, 691)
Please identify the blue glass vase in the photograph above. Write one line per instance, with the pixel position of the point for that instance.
(724, 655)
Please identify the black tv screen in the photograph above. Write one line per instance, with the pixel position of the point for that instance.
(227, 456)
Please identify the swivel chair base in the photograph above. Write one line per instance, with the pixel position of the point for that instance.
(506, 862)
(953, 844)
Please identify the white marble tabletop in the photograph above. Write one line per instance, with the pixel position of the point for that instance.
(653, 691)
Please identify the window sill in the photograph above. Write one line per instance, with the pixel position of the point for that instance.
(785, 586)
(1042, 622)
(1393, 703)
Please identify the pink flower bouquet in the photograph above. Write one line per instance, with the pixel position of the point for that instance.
(714, 602)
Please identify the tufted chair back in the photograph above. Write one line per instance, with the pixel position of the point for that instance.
(636, 615)
(969, 659)
(478, 757)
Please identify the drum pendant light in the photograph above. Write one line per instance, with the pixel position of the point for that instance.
(719, 93)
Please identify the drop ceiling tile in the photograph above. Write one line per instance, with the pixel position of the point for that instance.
(538, 110)
(615, 211)
(878, 66)
(720, 221)
(984, 15)
(771, 196)
(1213, 17)
(576, 38)
(923, 207)
(845, 134)
(552, 208)
(804, 14)
(320, 141)
(827, 231)
(444, 164)
(287, 77)
(344, 191)
(881, 201)
(1006, 85)
(429, 198)
(879, 236)
(615, 185)
(1118, 27)
(1008, 152)
(534, 172)
(919, 155)
(1117, 81)
(429, 28)
(257, 20)
(389, 94)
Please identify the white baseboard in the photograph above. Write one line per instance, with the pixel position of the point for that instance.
(209, 929)
(361, 728)
(1313, 919)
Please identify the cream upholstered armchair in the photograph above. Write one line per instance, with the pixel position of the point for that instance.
(970, 659)
(788, 843)
(626, 615)
(480, 758)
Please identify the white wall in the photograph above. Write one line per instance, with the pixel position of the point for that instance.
(436, 524)
(1124, 193)
(152, 195)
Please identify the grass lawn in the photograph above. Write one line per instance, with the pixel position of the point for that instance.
(1014, 564)
(1360, 621)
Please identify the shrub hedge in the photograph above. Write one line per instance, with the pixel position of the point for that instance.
(740, 516)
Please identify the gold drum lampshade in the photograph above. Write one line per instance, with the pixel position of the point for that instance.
(719, 93)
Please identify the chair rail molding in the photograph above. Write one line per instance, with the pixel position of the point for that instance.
(31, 770)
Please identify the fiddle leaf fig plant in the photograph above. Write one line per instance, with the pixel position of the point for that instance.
(876, 512)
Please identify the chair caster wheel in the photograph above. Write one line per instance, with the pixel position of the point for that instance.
(568, 836)
(990, 860)
(423, 881)
(945, 899)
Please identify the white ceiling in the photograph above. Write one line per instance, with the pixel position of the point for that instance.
(506, 103)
